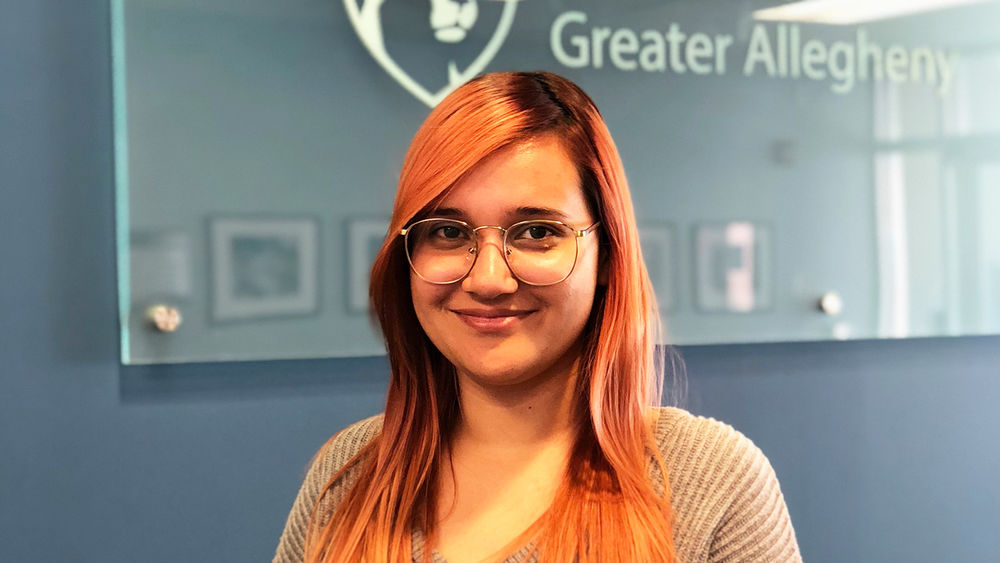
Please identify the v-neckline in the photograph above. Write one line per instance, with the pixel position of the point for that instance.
(417, 539)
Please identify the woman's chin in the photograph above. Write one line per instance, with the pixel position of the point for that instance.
(506, 373)
(494, 375)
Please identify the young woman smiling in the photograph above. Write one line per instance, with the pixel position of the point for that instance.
(521, 420)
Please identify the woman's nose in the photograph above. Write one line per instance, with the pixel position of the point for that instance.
(490, 276)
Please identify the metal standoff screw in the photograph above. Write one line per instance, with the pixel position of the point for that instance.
(831, 303)
(164, 318)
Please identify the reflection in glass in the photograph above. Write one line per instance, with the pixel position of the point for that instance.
(935, 189)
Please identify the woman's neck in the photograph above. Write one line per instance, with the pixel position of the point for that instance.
(533, 414)
(506, 461)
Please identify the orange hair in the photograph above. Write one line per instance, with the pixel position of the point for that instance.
(606, 509)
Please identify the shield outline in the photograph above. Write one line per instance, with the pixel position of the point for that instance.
(367, 26)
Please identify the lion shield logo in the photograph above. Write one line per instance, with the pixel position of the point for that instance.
(443, 43)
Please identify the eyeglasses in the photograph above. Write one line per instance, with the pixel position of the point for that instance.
(538, 252)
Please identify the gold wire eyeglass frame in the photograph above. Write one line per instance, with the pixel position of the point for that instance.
(578, 234)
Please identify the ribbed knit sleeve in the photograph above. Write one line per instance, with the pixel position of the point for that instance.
(727, 503)
(330, 459)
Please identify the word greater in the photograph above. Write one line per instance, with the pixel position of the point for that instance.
(780, 51)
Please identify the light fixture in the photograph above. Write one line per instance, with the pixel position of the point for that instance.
(847, 12)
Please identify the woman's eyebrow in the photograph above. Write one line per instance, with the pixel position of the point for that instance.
(522, 211)
(528, 211)
(448, 212)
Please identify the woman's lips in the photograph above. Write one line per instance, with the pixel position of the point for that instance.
(491, 320)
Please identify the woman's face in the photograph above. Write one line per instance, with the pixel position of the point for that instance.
(495, 329)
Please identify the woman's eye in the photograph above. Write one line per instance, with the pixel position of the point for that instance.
(538, 231)
(446, 232)
(535, 232)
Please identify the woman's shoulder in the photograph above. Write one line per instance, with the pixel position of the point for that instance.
(723, 490)
(333, 456)
(343, 446)
(698, 450)
(340, 452)
(688, 438)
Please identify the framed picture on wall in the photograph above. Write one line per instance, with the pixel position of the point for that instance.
(657, 241)
(364, 238)
(263, 267)
(733, 269)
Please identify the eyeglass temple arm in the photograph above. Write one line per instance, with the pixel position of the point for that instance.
(584, 232)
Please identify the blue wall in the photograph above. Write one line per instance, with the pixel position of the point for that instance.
(887, 451)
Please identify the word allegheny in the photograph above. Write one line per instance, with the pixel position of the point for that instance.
(785, 53)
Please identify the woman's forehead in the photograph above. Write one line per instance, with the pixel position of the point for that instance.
(523, 211)
(535, 178)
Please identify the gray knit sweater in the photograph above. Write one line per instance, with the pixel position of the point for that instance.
(725, 497)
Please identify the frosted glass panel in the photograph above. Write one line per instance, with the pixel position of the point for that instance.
(796, 176)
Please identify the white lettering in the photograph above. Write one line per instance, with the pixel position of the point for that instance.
(895, 64)
(623, 42)
(794, 51)
(782, 50)
(675, 38)
(944, 62)
(597, 37)
(916, 71)
(653, 56)
(868, 52)
(722, 42)
(813, 52)
(759, 51)
(580, 58)
(698, 46)
(841, 65)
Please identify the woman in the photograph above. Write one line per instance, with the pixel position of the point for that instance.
(521, 327)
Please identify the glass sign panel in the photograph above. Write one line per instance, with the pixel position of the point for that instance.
(801, 170)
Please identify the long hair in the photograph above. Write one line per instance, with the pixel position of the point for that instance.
(607, 508)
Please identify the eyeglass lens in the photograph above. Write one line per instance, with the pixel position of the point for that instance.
(537, 252)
